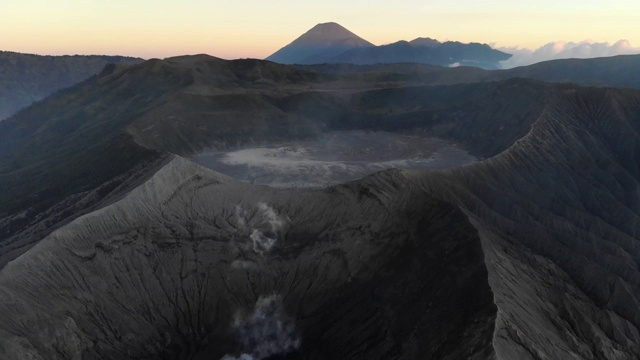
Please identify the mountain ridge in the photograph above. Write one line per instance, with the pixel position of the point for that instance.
(26, 78)
(615, 71)
(332, 43)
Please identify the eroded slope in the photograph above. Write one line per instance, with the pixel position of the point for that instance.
(559, 215)
(373, 269)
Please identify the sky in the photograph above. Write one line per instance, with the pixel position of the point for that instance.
(257, 28)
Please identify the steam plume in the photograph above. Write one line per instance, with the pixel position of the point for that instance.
(265, 226)
(267, 331)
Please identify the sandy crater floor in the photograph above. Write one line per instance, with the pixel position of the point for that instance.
(334, 158)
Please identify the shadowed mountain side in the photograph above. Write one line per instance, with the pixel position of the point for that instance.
(23, 230)
(372, 269)
(26, 78)
(72, 144)
(198, 121)
(450, 53)
(319, 44)
(486, 118)
(616, 71)
(559, 215)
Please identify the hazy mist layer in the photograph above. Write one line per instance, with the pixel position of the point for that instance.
(335, 157)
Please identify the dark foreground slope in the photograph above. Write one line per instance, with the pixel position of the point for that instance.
(26, 78)
(193, 265)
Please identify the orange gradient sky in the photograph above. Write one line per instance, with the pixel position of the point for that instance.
(253, 28)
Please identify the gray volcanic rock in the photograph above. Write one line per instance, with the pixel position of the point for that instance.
(373, 269)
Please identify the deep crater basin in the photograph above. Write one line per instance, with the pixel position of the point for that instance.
(333, 158)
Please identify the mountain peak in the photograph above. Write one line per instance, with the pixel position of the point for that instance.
(330, 33)
(329, 39)
(429, 42)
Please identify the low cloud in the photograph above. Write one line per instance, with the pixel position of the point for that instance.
(566, 50)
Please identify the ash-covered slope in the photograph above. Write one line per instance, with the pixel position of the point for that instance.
(559, 218)
(193, 265)
(26, 78)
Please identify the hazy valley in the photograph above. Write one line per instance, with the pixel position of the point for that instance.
(333, 158)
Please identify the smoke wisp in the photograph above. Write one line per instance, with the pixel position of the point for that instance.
(264, 225)
(267, 331)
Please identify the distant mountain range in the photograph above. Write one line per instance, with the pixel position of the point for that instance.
(332, 43)
(26, 78)
(621, 71)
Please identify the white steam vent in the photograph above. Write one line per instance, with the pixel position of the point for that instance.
(267, 331)
(264, 226)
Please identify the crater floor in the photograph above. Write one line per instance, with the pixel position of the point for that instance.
(333, 158)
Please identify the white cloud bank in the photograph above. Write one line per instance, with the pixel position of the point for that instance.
(566, 50)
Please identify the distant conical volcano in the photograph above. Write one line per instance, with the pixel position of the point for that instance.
(322, 41)
(332, 44)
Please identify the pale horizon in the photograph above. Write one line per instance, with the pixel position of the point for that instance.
(254, 29)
